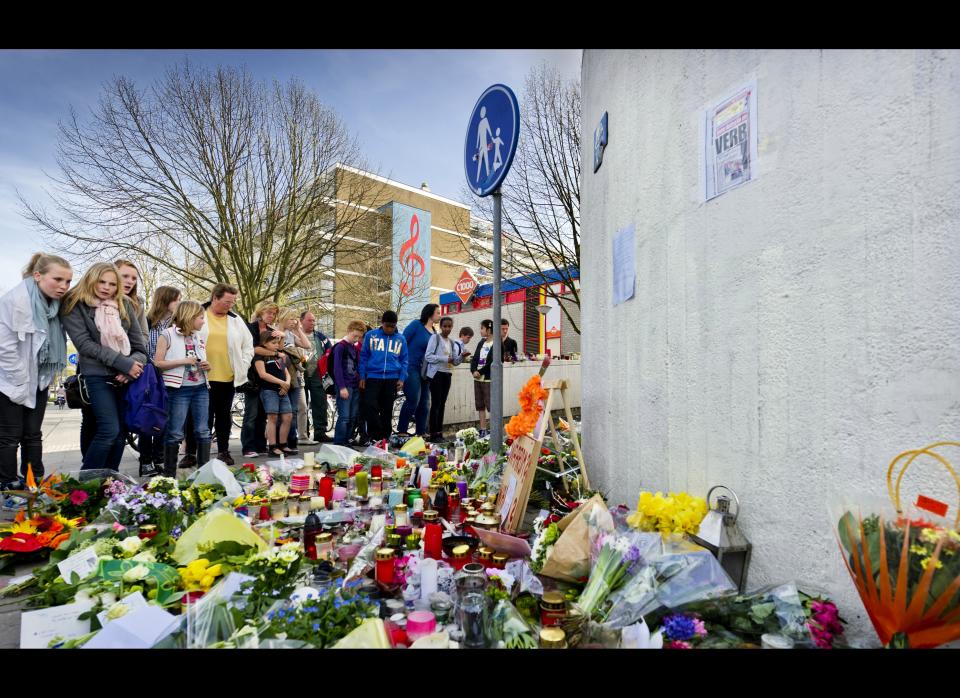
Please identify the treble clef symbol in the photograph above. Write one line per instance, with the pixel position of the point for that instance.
(410, 262)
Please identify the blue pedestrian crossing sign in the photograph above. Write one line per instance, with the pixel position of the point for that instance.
(491, 142)
(72, 359)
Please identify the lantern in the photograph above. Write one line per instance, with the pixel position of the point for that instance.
(720, 535)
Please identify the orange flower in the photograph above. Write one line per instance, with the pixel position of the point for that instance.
(56, 542)
(530, 409)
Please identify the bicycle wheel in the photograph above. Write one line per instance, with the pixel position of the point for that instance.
(236, 411)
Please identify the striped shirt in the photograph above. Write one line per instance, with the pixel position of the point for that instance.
(155, 333)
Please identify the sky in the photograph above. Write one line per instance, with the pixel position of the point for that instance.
(409, 109)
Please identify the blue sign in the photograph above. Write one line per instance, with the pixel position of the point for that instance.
(599, 142)
(72, 359)
(491, 142)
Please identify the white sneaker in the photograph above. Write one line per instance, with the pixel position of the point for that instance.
(308, 442)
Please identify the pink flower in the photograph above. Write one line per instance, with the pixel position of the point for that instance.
(679, 645)
(117, 527)
(78, 497)
(699, 628)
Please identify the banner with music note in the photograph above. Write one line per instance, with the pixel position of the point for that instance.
(411, 260)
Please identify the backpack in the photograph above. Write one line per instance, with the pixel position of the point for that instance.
(145, 411)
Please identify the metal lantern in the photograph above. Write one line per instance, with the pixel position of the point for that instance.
(720, 535)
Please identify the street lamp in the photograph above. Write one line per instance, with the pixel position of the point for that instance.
(543, 309)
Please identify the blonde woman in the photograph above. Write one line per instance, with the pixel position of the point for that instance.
(181, 355)
(159, 317)
(33, 350)
(253, 440)
(130, 281)
(112, 350)
(297, 345)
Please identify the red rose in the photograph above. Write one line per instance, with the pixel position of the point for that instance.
(78, 497)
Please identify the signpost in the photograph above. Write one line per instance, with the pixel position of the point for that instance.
(72, 359)
(491, 142)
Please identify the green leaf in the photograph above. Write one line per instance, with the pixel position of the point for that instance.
(762, 611)
(842, 529)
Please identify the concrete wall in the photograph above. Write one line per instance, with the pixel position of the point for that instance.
(790, 337)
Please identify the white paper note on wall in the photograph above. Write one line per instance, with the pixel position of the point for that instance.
(624, 265)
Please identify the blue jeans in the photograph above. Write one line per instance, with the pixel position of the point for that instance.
(196, 400)
(293, 436)
(417, 403)
(106, 406)
(348, 411)
(275, 403)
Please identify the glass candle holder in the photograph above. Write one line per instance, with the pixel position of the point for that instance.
(362, 485)
(384, 561)
(400, 516)
(325, 546)
(473, 607)
(376, 485)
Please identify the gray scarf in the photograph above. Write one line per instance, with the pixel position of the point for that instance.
(53, 352)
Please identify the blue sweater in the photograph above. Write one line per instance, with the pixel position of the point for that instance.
(417, 336)
(383, 356)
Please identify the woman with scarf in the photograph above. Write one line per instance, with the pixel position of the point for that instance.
(103, 325)
(33, 350)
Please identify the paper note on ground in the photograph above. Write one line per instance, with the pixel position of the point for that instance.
(139, 629)
(83, 563)
(38, 628)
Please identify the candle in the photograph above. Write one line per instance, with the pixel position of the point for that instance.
(395, 497)
(384, 571)
(428, 578)
(425, 475)
(339, 494)
(361, 479)
(401, 463)
(318, 503)
(375, 502)
(462, 487)
(309, 458)
(326, 488)
(418, 504)
(376, 471)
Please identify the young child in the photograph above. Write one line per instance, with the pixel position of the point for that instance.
(480, 368)
(275, 391)
(346, 378)
(182, 356)
(465, 335)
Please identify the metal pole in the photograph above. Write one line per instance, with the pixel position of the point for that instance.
(496, 370)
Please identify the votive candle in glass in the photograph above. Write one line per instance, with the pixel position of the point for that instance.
(361, 480)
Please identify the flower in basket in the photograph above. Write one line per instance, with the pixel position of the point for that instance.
(78, 497)
(678, 512)
(906, 570)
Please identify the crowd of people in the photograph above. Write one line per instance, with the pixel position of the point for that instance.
(202, 354)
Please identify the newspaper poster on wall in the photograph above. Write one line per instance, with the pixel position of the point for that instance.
(730, 140)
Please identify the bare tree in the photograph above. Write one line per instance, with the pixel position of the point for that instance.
(212, 177)
(541, 195)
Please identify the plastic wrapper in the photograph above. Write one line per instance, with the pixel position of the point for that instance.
(527, 581)
(216, 472)
(379, 454)
(328, 453)
(216, 526)
(98, 474)
(210, 620)
(502, 543)
(364, 560)
(668, 581)
(570, 558)
(371, 634)
(508, 629)
(488, 473)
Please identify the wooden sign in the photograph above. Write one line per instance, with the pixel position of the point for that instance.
(517, 482)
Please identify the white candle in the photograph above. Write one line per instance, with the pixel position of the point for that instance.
(418, 504)
(376, 502)
(378, 522)
(309, 458)
(425, 475)
(428, 578)
(318, 503)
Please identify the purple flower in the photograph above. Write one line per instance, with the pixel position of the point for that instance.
(175, 533)
(679, 627)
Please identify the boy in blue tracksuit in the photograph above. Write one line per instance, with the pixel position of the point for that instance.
(383, 366)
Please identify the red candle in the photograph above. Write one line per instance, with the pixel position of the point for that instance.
(376, 471)
(326, 490)
(432, 536)
(385, 565)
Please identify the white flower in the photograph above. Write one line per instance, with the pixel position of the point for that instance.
(144, 556)
(291, 546)
(108, 598)
(136, 574)
(117, 610)
(131, 545)
(83, 596)
(288, 556)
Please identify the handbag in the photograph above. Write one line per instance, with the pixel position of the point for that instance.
(76, 389)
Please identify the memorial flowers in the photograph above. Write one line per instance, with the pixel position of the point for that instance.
(617, 559)
(525, 421)
(678, 512)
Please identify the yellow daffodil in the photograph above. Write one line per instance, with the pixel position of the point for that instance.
(926, 562)
(929, 535)
(23, 527)
(919, 550)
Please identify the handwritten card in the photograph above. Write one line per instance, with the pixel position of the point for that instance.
(140, 629)
(83, 563)
(38, 628)
(133, 601)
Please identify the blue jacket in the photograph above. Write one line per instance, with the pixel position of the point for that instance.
(417, 336)
(383, 356)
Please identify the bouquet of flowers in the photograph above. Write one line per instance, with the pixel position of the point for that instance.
(275, 573)
(468, 436)
(319, 621)
(678, 512)
(547, 534)
(509, 630)
(530, 397)
(33, 538)
(159, 504)
(618, 557)
(906, 569)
